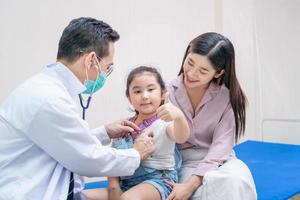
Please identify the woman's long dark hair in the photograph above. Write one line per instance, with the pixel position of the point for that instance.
(220, 52)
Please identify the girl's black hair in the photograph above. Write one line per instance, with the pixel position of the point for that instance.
(140, 70)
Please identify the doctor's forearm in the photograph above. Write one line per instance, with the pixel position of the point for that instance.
(104, 161)
(101, 134)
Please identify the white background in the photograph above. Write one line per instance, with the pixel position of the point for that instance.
(265, 33)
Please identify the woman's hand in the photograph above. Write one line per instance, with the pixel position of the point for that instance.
(183, 191)
(167, 111)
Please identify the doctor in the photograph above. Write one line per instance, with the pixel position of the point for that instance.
(44, 142)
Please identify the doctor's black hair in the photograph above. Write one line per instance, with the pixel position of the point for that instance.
(84, 35)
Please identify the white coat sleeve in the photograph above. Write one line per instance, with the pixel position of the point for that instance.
(58, 130)
(101, 134)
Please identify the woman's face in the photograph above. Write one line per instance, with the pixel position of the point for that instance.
(198, 71)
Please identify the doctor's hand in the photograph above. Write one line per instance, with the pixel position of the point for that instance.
(144, 144)
(120, 128)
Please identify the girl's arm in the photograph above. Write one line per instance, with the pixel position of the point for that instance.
(178, 130)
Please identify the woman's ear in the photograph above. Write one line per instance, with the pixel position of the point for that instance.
(220, 73)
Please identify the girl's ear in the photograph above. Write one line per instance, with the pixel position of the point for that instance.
(128, 97)
(163, 95)
(218, 74)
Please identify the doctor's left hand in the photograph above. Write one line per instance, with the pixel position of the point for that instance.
(120, 128)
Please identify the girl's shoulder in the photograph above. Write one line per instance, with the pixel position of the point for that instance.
(159, 124)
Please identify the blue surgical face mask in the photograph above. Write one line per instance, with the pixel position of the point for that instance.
(94, 86)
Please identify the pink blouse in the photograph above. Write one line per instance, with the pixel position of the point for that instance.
(212, 127)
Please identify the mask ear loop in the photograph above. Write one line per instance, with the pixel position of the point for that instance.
(85, 107)
(98, 74)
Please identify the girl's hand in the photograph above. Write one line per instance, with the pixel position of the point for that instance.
(167, 111)
(181, 191)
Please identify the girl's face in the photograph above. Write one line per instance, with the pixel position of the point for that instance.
(145, 93)
(198, 71)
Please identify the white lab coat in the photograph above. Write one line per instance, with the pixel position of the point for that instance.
(43, 138)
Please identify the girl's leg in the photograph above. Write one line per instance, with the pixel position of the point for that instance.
(96, 194)
(141, 191)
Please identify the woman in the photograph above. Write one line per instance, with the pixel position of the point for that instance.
(209, 94)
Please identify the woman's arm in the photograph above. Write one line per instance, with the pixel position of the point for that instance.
(222, 144)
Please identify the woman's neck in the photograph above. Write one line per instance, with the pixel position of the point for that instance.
(196, 95)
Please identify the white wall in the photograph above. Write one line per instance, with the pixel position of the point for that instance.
(156, 33)
(278, 32)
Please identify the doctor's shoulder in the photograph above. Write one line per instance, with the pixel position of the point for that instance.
(35, 91)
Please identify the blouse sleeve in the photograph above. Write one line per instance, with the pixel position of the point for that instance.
(222, 144)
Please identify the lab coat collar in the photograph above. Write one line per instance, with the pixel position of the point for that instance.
(67, 78)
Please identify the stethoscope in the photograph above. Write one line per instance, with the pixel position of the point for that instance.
(86, 106)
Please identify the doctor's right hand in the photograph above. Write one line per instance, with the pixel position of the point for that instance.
(144, 144)
(120, 128)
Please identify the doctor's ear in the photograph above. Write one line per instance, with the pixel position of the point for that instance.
(89, 59)
(220, 73)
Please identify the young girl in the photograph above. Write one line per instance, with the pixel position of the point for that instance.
(146, 93)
